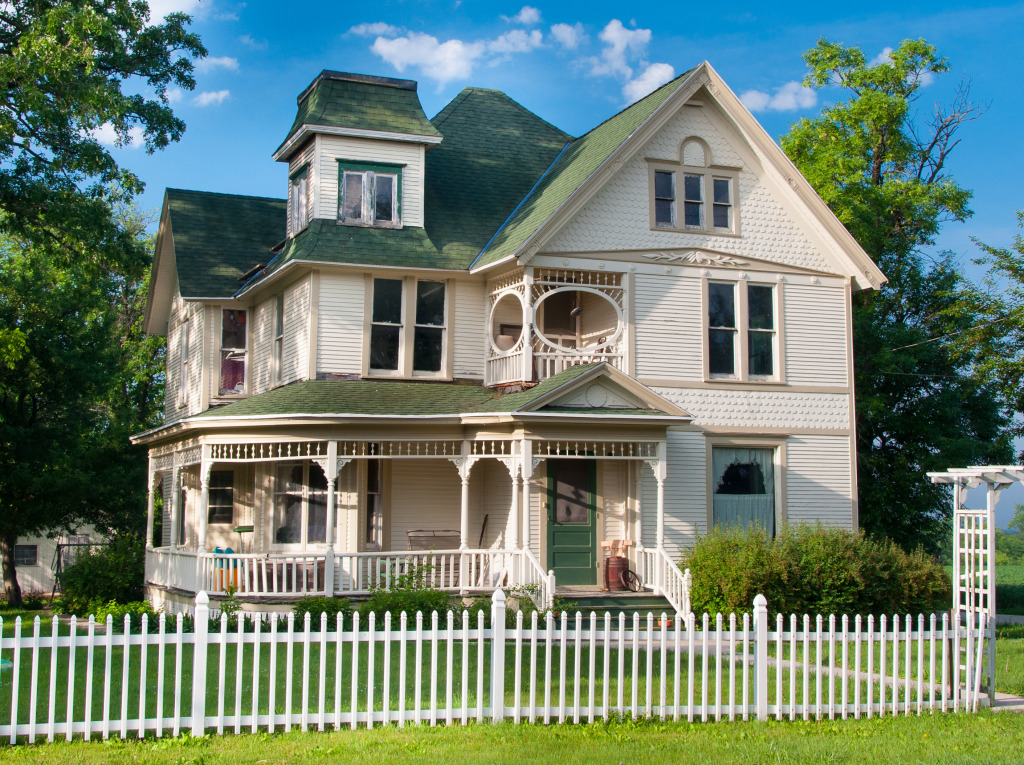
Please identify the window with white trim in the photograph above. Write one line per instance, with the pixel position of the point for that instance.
(743, 487)
(221, 502)
(370, 195)
(408, 327)
(232, 352)
(706, 192)
(298, 200)
(742, 331)
(278, 337)
(300, 505)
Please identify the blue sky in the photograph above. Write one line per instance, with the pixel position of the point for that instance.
(575, 64)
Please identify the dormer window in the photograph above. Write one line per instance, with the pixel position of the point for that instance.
(298, 200)
(370, 195)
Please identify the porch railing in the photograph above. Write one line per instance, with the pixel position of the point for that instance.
(661, 574)
(466, 571)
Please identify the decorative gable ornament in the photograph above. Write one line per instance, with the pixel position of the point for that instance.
(698, 258)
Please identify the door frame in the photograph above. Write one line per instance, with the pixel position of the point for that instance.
(591, 465)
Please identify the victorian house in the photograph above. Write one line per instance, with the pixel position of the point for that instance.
(481, 346)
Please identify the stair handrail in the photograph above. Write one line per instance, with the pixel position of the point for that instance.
(544, 580)
(672, 582)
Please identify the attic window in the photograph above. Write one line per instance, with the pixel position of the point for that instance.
(370, 195)
(693, 194)
(298, 200)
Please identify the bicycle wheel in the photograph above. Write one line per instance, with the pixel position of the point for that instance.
(631, 581)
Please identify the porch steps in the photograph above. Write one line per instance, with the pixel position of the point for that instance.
(614, 603)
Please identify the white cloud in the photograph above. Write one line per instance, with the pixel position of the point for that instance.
(160, 8)
(516, 41)
(527, 16)
(654, 76)
(884, 57)
(621, 44)
(788, 98)
(212, 97)
(252, 42)
(569, 37)
(106, 135)
(375, 29)
(217, 62)
(174, 95)
(450, 60)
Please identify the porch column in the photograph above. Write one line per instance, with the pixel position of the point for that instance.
(150, 504)
(660, 473)
(464, 463)
(527, 371)
(526, 469)
(331, 466)
(176, 509)
(203, 514)
(513, 531)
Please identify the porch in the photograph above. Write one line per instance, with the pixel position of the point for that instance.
(341, 510)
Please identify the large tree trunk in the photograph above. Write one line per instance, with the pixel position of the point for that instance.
(12, 590)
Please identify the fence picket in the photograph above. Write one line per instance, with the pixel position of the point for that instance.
(403, 669)
(480, 666)
(289, 664)
(222, 672)
(517, 693)
(354, 698)
(51, 720)
(417, 708)
(705, 620)
(562, 655)
(179, 671)
(450, 654)
(807, 667)
(649, 689)
(321, 701)
(433, 669)
(920, 663)
(745, 671)
(691, 629)
(831, 666)
(676, 665)
(272, 679)
(108, 658)
(371, 645)
(622, 663)
(792, 666)
(718, 666)
(465, 667)
(779, 628)
(533, 667)
(256, 675)
(72, 652)
(591, 676)
(907, 677)
(818, 624)
(945, 662)
(895, 664)
(882, 640)
(845, 664)
(871, 666)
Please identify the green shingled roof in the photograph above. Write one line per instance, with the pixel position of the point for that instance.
(577, 163)
(363, 102)
(325, 241)
(398, 398)
(493, 152)
(219, 237)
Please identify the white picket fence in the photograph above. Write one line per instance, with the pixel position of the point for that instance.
(276, 675)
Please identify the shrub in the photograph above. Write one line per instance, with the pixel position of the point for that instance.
(110, 573)
(812, 569)
(316, 605)
(411, 600)
(117, 612)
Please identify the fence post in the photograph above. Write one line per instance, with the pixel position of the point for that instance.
(202, 629)
(687, 586)
(498, 656)
(761, 657)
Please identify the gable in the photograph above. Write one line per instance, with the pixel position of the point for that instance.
(617, 216)
(598, 395)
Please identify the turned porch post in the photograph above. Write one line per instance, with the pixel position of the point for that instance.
(176, 508)
(203, 515)
(528, 318)
(150, 504)
(514, 467)
(526, 468)
(331, 466)
(464, 463)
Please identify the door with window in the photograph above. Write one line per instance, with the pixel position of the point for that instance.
(300, 506)
(572, 521)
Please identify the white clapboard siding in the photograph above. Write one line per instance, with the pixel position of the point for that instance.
(685, 494)
(667, 313)
(469, 317)
(614, 491)
(818, 480)
(262, 346)
(339, 337)
(495, 486)
(303, 158)
(295, 362)
(816, 335)
(334, 148)
(427, 494)
(541, 669)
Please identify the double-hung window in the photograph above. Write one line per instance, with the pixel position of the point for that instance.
(300, 505)
(221, 502)
(408, 327)
(741, 331)
(232, 351)
(705, 191)
(370, 195)
(278, 337)
(298, 200)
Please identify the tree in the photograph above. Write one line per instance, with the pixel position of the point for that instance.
(882, 170)
(70, 68)
(75, 378)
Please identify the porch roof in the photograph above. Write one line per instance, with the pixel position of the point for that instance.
(405, 398)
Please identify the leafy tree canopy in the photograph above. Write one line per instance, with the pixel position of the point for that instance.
(881, 167)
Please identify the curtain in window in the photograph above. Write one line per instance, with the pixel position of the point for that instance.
(744, 487)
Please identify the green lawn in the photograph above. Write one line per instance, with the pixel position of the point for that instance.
(985, 737)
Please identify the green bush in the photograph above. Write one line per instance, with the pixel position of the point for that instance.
(315, 605)
(812, 569)
(118, 611)
(410, 600)
(109, 573)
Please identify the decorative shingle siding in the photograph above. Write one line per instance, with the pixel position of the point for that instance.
(818, 480)
(667, 314)
(816, 335)
(332, 148)
(721, 407)
(467, 335)
(617, 216)
(295, 362)
(339, 336)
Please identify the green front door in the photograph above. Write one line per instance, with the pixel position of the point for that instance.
(572, 524)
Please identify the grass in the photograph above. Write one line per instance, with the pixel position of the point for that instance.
(1010, 589)
(985, 737)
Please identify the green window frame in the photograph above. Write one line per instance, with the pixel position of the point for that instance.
(367, 179)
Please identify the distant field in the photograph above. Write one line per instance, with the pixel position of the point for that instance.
(1010, 589)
